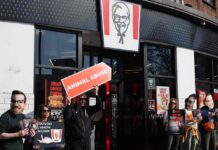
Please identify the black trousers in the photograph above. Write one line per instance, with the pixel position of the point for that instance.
(81, 144)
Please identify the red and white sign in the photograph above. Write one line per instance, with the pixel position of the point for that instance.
(83, 81)
(120, 24)
(56, 135)
(163, 98)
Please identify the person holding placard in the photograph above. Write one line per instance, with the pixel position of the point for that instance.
(78, 119)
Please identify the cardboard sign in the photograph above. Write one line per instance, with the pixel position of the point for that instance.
(49, 134)
(120, 24)
(85, 80)
(176, 121)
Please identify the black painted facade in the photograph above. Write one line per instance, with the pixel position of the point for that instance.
(85, 15)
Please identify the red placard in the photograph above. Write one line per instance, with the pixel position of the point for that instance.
(83, 81)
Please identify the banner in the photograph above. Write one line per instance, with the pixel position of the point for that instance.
(120, 24)
(163, 98)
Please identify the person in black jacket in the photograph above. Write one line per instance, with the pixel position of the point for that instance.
(77, 121)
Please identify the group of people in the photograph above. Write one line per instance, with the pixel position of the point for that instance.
(78, 123)
(191, 129)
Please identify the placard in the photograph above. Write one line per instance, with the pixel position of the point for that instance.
(49, 134)
(176, 121)
(85, 80)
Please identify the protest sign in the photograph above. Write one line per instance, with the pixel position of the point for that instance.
(85, 80)
(49, 134)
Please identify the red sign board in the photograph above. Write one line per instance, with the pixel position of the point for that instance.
(84, 80)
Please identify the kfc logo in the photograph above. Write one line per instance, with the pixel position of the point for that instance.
(121, 19)
(56, 135)
(120, 24)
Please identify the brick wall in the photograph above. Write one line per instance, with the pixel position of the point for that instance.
(203, 7)
(5, 100)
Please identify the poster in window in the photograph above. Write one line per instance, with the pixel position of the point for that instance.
(163, 97)
(201, 96)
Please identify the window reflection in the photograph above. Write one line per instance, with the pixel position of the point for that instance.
(216, 71)
(160, 61)
(57, 48)
(202, 67)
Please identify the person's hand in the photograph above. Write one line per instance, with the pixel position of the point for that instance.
(32, 132)
(23, 133)
(36, 146)
(70, 100)
(212, 114)
(96, 88)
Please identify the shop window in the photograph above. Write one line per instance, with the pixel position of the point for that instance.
(55, 59)
(202, 67)
(161, 70)
(49, 89)
(56, 48)
(203, 86)
(215, 71)
(160, 61)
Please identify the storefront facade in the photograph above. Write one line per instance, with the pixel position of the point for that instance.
(44, 41)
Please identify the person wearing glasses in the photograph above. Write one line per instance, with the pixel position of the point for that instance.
(11, 133)
(78, 121)
(191, 136)
(207, 125)
(43, 113)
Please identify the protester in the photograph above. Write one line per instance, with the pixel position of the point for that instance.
(11, 133)
(43, 115)
(77, 119)
(173, 125)
(207, 125)
(191, 136)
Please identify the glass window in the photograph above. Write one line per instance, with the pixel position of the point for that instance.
(202, 67)
(160, 61)
(56, 48)
(86, 60)
(49, 89)
(210, 2)
(216, 71)
(203, 86)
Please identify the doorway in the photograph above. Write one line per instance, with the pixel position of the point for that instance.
(124, 107)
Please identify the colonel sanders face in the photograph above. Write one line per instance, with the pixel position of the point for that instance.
(121, 19)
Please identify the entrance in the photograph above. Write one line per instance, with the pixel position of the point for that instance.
(123, 124)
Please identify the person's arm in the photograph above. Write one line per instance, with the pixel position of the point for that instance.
(68, 110)
(21, 133)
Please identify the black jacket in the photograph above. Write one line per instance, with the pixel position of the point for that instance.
(77, 121)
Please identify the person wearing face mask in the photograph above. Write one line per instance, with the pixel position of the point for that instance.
(207, 125)
(11, 133)
(191, 135)
(78, 123)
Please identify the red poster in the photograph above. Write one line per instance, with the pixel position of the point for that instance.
(201, 96)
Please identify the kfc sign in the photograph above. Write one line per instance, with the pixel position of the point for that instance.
(120, 24)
